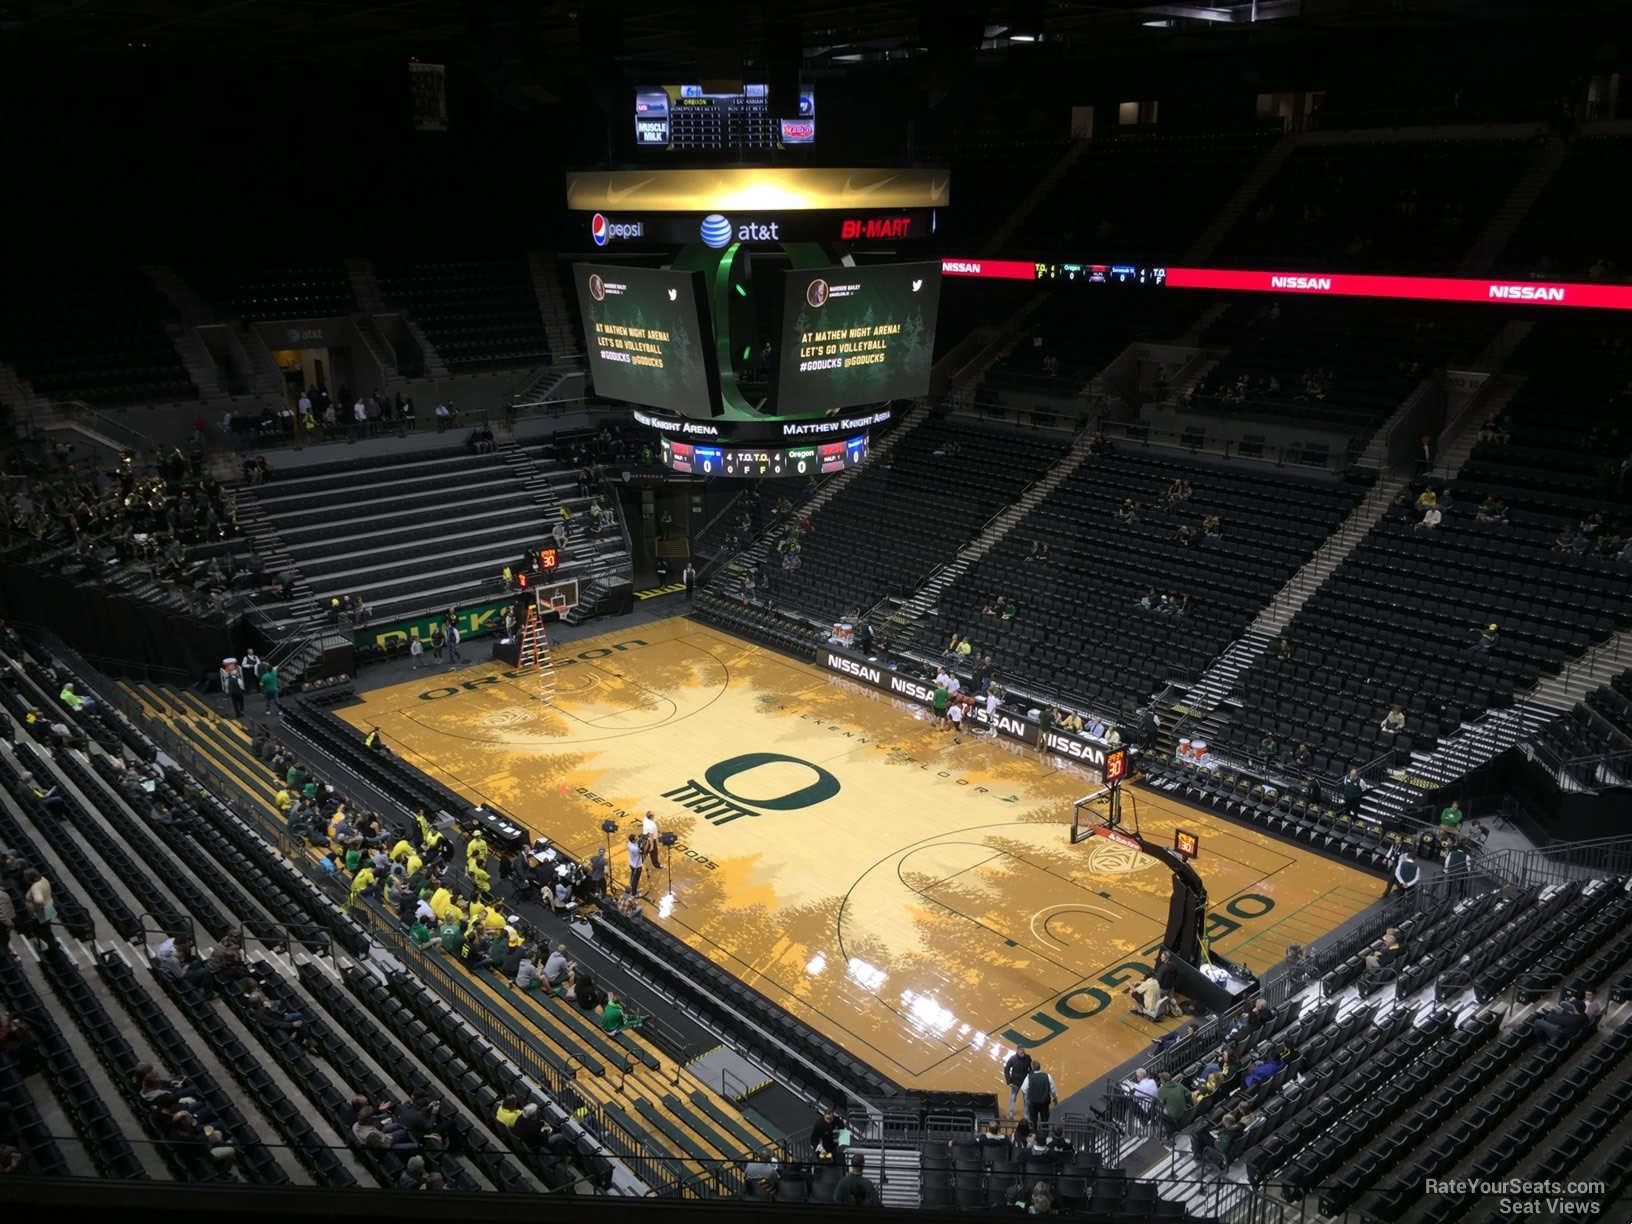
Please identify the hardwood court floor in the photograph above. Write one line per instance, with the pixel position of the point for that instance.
(928, 914)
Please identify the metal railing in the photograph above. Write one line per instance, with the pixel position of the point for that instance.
(1197, 442)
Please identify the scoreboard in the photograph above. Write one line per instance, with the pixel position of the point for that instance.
(685, 118)
(815, 459)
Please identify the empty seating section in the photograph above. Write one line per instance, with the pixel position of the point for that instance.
(1342, 366)
(265, 289)
(1408, 207)
(404, 533)
(1073, 336)
(989, 181)
(1592, 744)
(1139, 198)
(481, 314)
(1564, 439)
(1394, 623)
(1078, 629)
(968, 304)
(1577, 229)
(909, 512)
(94, 334)
(1397, 623)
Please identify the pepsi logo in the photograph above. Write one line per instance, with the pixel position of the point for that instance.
(597, 229)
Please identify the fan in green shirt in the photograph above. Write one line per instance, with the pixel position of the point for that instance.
(1451, 817)
(451, 936)
(854, 1188)
(942, 696)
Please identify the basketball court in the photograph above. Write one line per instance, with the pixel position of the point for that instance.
(916, 901)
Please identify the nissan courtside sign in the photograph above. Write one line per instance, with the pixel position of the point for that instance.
(1090, 753)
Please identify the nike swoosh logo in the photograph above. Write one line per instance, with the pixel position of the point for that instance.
(850, 189)
(614, 194)
(937, 189)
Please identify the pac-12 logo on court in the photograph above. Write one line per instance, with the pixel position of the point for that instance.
(719, 804)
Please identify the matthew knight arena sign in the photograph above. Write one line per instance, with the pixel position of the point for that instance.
(1086, 752)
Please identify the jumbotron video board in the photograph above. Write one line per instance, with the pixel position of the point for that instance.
(856, 335)
(647, 337)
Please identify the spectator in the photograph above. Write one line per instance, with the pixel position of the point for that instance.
(1590, 1006)
(1172, 1099)
(1227, 1136)
(1144, 1088)
(49, 799)
(1450, 819)
(1390, 950)
(1268, 746)
(613, 1019)
(1394, 721)
(1303, 757)
(1484, 640)
(854, 1188)
(531, 1131)
(508, 1112)
(1264, 1070)
(1431, 518)
(1561, 1022)
(76, 702)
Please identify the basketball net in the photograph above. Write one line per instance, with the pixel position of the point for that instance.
(535, 653)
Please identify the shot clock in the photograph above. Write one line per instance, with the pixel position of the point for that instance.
(763, 462)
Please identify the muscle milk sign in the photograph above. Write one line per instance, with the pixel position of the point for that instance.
(922, 692)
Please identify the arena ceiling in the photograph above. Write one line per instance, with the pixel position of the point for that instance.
(665, 33)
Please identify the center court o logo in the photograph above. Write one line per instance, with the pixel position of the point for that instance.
(822, 789)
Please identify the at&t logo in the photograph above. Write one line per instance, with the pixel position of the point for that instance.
(716, 231)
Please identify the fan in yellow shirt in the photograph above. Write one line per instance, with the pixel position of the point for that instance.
(360, 883)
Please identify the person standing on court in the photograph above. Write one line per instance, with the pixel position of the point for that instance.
(648, 840)
(1041, 1094)
(453, 644)
(597, 871)
(689, 577)
(1015, 1071)
(942, 696)
(634, 865)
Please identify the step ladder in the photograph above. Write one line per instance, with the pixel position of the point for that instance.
(535, 653)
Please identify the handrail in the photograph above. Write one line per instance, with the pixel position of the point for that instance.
(1198, 442)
